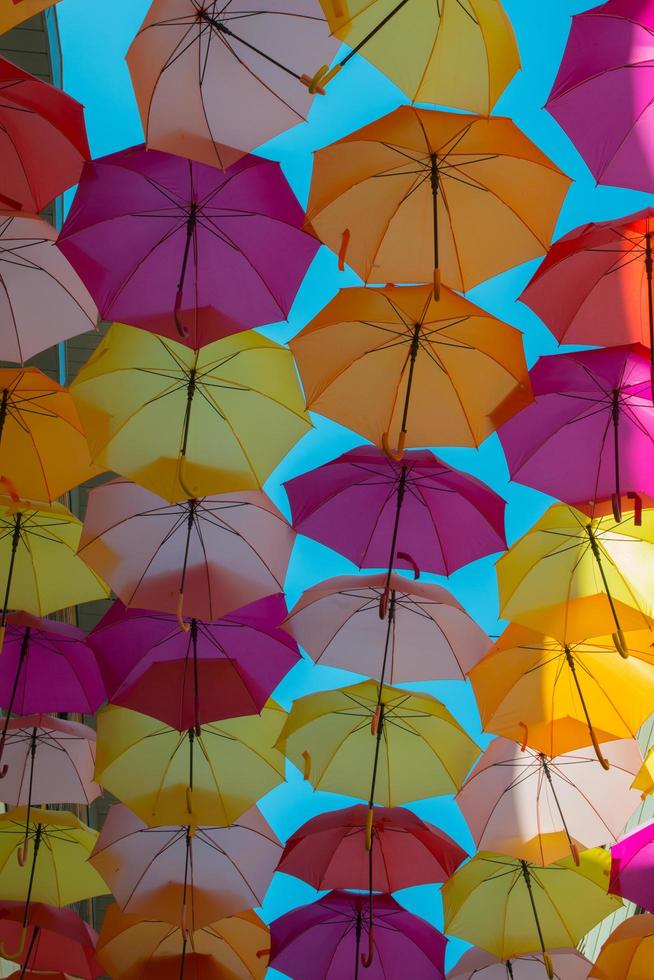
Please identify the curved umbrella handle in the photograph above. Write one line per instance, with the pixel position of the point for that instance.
(307, 765)
(638, 507)
(260, 953)
(383, 603)
(367, 959)
(17, 953)
(191, 494)
(181, 329)
(415, 568)
(616, 507)
(620, 643)
(179, 612)
(316, 82)
(4, 770)
(523, 744)
(395, 455)
(598, 752)
(11, 489)
(23, 852)
(342, 252)
(375, 719)
(549, 968)
(369, 822)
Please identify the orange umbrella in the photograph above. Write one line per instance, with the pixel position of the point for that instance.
(420, 190)
(14, 12)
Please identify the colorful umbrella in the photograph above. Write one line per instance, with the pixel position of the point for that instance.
(43, 141)
(329, 851)
(329, 939)
(187, 250)
(477, 964)
(542, 908)
(132, 948)
(602, 94)
(42, 299)
(189, 876)
(420, 190)
(225, 552)
(188, 423)
(210, 672)
(594, 410)
(210, 73)
(381, 360)
(644, 781)
(462, 54)
(559, 695)
(528, 805)
(632, 862)
(207, 777)
(427, 634)
(627, 953)
(56, 939)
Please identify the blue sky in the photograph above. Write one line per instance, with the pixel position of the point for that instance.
(96, 74)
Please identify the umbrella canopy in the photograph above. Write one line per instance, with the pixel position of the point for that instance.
(327, 939)
(43, 447)
(544, 908)
(329, 851)
(132, 948)
(381, 360)
(43, 140)
(56, 939)
(644, 780)
(42, 300)
(189, 876)
(419, 190)
(559, 695)
(210, 672)
(187, 250)
(462, 54)
(427, 634)
(627, 953)
(225, 551)
(477, 964)
(632, 861)
(188, 423)
(594, 410)
(602, 95)
(209, 776)
(525, 804)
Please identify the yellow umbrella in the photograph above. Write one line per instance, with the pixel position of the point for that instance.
(509, 907)
(187, 423)
(628, 953)
(644, 780)
(210, 776)
(15, 12)
(459, 53)
(567, 557)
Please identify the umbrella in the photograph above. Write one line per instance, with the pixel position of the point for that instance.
(559, 695)
(602, 94)
(208, 73)
(189, 876)
(528, 805)
(463, 54)
(644, 780)
(476, 964)
(20, 11)
(188, 423)
(329, 851)
(420, 190)
(210, 776)
(382, 361)
(184, 249)
(43, 448)
(324, 941)
(43, 140)
(132, 948)
(627, 953)
(42, 299)
(211, 672)
(56, 939)
(567, 556)
(632, 861)
(543, 908)
(594, 410)
(223, 552)
(427, 634)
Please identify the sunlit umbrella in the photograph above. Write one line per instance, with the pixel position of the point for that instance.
(477, 964)
(644, 781)
(56, 939)
(632, 867)
(627, 953)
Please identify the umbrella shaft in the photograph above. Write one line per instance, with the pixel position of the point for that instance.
(21, 660)
(525, 872)
(357, 945)
(14, 547)
(375, 765)
(221, 28)
(387, 644)
(650, 300)
(196, 679)
(369, 36)
(401, 487)
(189, 530)
(415, 346)
(3, 410)
(35, 854)
(28, 954)
(598, 558)
(548, 776)
(434, 194)
(615, 415)
(509, 970)
(182, 963)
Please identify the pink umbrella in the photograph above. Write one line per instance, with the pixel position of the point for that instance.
(593, 410)
(530, 806)
(186, 678)
(477, 964)
(42, 299)
(223, 552)
(427, 634)
(186, 250)
(603, 93)
(632, 867)
(55, 939)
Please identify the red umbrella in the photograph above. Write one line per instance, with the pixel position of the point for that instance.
(43, 142)
(56, 940)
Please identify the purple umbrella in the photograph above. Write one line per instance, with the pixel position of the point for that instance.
(632, 867)
(589, 434)
(184, 249)
(324, 941)
(603, 95)
(211, 672)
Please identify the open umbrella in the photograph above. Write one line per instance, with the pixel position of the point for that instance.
(203, 557)
(644, 781)
(43, 141)
(477, 964)
(210, 672)
(627, 953)
(188, 423)
(56, 939)
(420, 190)
(184, 249)
(592, 409)
(632, 863)
(400, 366)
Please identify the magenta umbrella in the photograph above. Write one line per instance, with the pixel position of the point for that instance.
(603, 94)
(632, 867)
(324, 941)
(184, 249)
(208, 673)
(589, 434)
